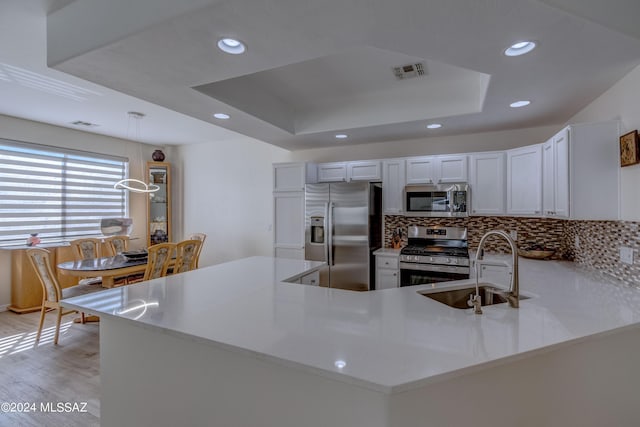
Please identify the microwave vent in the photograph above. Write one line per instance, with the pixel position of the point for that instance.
(409, 71)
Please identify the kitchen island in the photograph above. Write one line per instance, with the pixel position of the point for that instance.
(232, 345)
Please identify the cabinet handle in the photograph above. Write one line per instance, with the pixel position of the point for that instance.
(474, 211)
(312, 282)
(386, 263)
(536, 212)
(395, 274)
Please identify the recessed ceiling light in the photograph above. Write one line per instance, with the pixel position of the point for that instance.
(520, 48)
(221, 116)
(341, 136)
(340, 364)
(434, 126)
(232, 46)
(519, 104)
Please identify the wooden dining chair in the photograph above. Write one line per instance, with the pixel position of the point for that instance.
(158, 260)
(52, 292)
(198, 236)
(116, 244)
(87, 248)
(187, 255)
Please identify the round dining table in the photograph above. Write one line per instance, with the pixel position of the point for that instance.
(106, 267)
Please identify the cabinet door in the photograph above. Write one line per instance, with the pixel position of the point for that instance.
(451, 169)
(386, 279)
(561, 173)
(288, 176)
(393, 181)
(364, 171)
(495, 274)
(159, 204)
(488, 184)
(524, 180)
(548, 178)
(332, 172)
(288, 220)
(420, 170)
(289, 253)
(312, 279)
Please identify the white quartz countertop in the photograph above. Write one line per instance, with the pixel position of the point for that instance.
(388, 252)
(389, 340)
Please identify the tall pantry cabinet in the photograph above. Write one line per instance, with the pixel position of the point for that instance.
(289, 180)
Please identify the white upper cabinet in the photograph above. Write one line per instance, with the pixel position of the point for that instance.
(450, 169)
(561, 174)
(437, 169)
(332, 172)
(421, 170)
(548, 180)
(293, 176)
(555, 175)
(488, 183)
(366, 170)
(393, 182)
(593, 171)
(524, 180)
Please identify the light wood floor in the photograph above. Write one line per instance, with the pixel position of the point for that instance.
(68, 372)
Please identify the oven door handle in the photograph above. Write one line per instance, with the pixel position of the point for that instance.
(433, 267)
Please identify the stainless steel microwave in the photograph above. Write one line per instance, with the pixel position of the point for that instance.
(444, 200)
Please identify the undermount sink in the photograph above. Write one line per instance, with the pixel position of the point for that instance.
(457, 298)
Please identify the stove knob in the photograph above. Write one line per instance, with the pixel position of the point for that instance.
(447, 260)
(430, 259)
(455, 261)
(416, 258)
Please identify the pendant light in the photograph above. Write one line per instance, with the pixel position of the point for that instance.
(131, 184)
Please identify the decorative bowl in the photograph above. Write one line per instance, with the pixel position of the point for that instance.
(536, 254)
(116, 226)
(139, 254)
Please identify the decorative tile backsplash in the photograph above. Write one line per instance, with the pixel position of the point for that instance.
(547, 232)
(598, 246)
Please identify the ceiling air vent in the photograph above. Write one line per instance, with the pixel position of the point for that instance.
(409, 71)
(85, 124)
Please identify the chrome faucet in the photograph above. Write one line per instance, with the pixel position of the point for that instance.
(514, 289)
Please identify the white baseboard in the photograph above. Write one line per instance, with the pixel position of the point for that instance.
(4, 307)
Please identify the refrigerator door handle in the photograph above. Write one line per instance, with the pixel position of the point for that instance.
(326, 232)
(330, 234)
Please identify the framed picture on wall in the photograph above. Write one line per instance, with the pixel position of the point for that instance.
(629, 153)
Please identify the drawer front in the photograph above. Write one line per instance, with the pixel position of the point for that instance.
(387, 262)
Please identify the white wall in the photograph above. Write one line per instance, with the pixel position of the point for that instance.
(226, 194)
(29, 131)
(487, 141)
(621, 102)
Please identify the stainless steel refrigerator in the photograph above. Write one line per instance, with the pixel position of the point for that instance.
(343, 227)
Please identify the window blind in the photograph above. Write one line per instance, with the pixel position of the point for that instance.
(59, 194)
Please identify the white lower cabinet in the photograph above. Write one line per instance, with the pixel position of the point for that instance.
(387, 271)
(312, 279)
(496, 273)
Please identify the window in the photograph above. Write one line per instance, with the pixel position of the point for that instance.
(59, 194)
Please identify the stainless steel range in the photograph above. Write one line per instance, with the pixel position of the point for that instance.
(434, 254)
